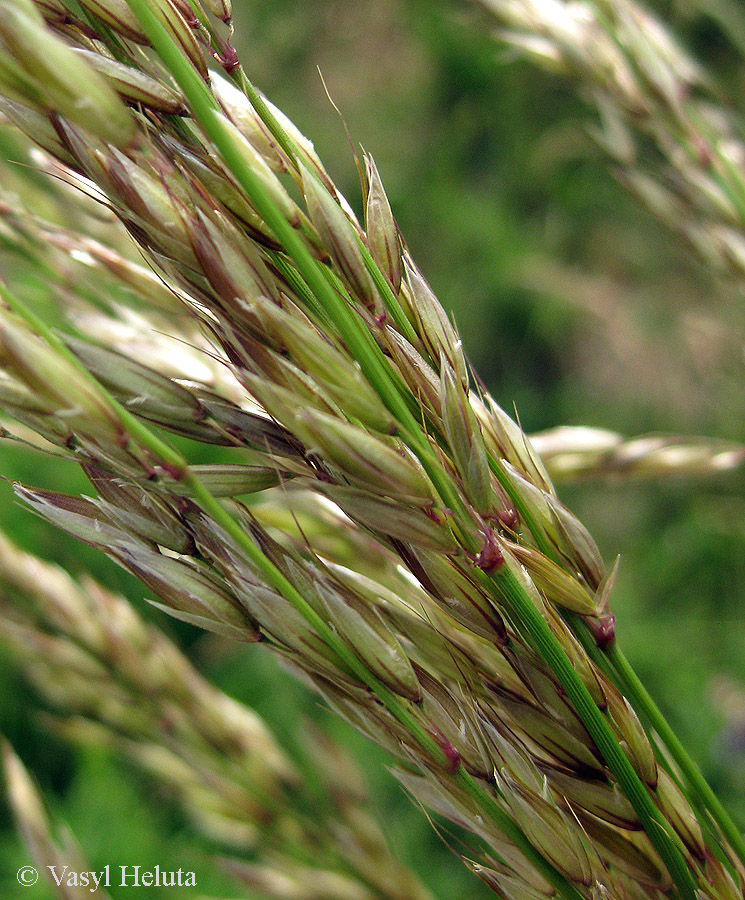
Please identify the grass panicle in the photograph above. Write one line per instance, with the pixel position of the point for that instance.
(646, 90)
(408, 555)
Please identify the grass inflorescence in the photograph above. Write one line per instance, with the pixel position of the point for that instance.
(388, 529)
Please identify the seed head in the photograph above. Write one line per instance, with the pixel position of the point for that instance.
(134, 86)
(135, 510)
(261, 169)
(387, 517)
(35, 125)
(459, 596)
(635, 740)
(547, 826)
(678, 811)
(57, 383)
(465, 439)
(232, 480)
(118, 16)
(382, 233)
(364, 629)
(65, 81)
(189, 592)
(150, 394)
(431, 323)
(556, 583)
(366, 460)
(329, 366)
(341, 238)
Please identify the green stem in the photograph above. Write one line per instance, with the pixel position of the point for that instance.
(626, 678)
(390, 300)
(267, 116)
(299, 287)
(613, 661)
(522, 509)
(545, 642)
(698, 784)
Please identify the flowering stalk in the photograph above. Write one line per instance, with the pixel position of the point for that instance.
(446, 638)
(508, 587)
(135, 437)
(576, 453)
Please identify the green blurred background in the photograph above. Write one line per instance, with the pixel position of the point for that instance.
(575, 307)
